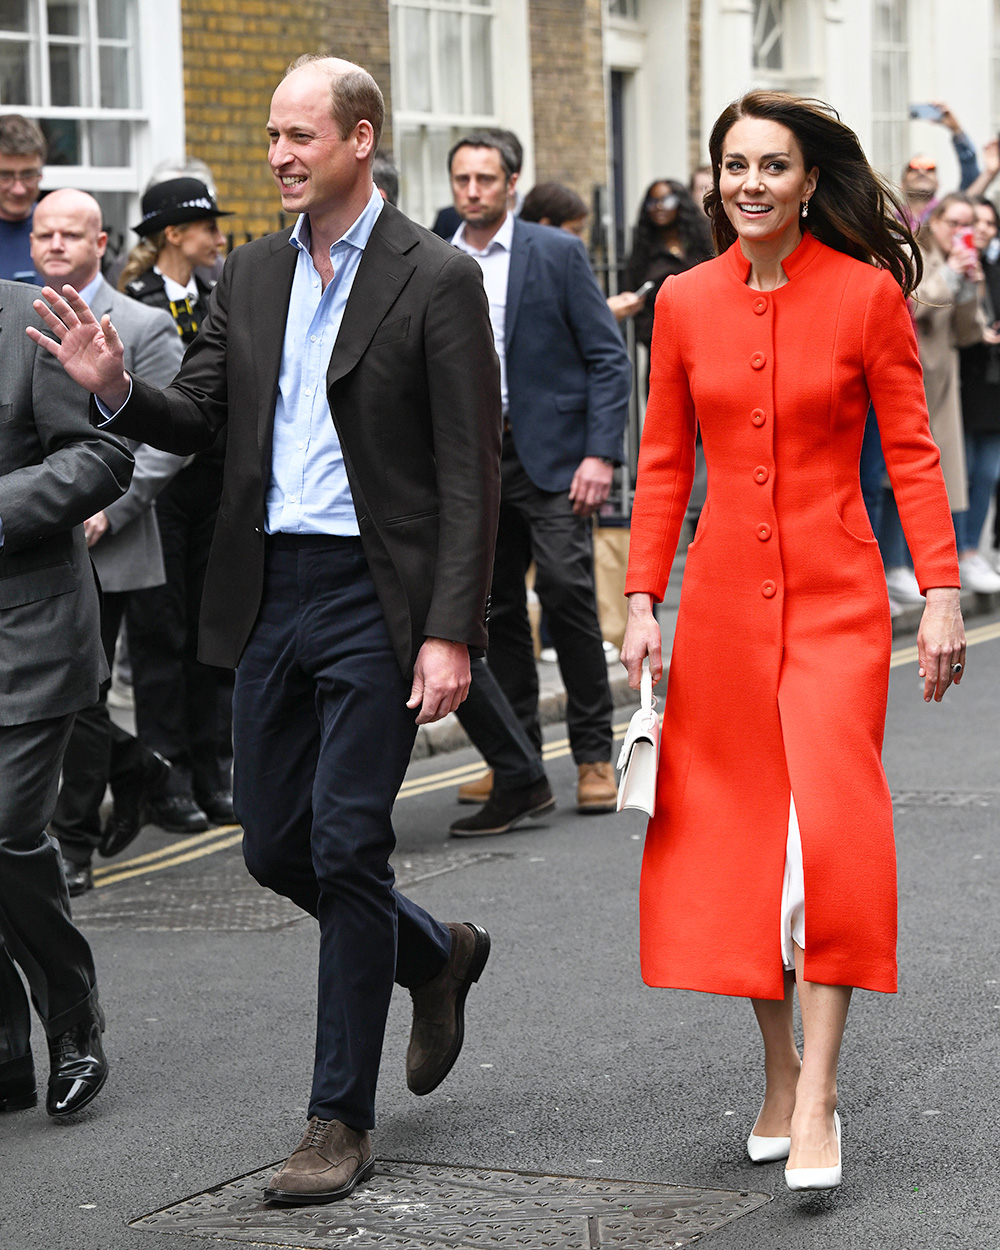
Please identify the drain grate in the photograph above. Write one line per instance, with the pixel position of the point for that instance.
(218, 895)
(945, 798)
(406, 1205)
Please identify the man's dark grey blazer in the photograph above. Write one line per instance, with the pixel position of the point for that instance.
(55, 471)
(413, 385)
(129, 555)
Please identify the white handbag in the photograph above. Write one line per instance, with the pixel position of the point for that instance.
(640, 753)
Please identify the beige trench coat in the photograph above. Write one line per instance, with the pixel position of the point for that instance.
(943, 326)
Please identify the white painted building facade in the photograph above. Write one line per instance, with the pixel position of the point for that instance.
(870, 59)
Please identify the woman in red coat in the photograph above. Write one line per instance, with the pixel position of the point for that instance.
(770, 862)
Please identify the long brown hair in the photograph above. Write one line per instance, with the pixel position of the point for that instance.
(853, 209)
(142, 257)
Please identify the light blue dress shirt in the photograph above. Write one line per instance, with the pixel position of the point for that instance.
(308, 492)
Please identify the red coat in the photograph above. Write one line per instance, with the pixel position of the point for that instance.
(779, 674)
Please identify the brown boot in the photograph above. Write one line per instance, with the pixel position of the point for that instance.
(596, 790)
(439, 1009)
(327, 1164)
(477, 791)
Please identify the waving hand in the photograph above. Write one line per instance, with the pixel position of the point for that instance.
(89, 350)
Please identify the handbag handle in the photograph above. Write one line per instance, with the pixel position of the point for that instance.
(646, 687)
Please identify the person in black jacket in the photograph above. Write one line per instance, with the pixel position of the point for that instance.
(670, 236)
(182, 707)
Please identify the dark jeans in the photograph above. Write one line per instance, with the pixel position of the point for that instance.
(497, 734)
(982, 458)
(182, 707)
(322, 738)
(99, 752)
(541, 526)
(36, 930)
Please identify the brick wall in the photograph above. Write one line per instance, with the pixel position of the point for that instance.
(567, 79)
(235, 52)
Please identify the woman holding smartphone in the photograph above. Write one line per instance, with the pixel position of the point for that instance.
(949, 317)
(769, 867)
(979, 369)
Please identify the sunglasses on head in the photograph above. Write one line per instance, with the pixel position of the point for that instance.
(923, 163)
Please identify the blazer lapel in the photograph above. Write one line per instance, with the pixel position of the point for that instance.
(275, 276)
(381, 276)
(515, 280)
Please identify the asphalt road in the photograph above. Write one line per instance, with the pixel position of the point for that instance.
(571, 1065)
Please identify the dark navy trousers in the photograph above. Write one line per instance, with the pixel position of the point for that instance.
(322, 737)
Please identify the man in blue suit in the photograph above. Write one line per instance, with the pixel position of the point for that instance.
(565, 380)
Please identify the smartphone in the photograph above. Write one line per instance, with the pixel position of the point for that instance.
(645, 289)
(926, 112)
(965, 238)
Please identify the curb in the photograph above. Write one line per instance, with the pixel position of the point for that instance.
(448, 735)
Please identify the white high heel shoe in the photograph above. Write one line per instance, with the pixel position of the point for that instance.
(767, 1149)
(817, 1178)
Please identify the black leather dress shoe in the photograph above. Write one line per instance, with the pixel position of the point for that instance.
(176, 813)
(217, 806)
(125, 821)
(79, 1068)
(79, 878)
(17, 1086)
(506, 808)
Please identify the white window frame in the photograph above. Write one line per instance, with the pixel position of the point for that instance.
(156, 117)
(890, 118)
(511, 78)
(762, 9)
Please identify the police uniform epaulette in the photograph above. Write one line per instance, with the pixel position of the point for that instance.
(138, 286)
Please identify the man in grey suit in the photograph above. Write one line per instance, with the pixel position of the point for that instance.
(67, 244)
(55, 471)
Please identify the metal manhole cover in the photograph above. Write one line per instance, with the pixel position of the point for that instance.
(218, 895)
(945, 798)
(416, 1204)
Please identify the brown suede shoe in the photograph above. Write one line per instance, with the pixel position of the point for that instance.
(477, 791)
(596, 790)
(329, 1162)
(439, 1009)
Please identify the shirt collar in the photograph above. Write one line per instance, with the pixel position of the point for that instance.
(503, 239)
(88, 292)
(190, 291)
(358, 234)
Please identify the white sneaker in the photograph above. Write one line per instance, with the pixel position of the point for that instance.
(977, 575)
(902, 584)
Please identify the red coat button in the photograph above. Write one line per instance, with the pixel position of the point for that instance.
(760, 305)
(768, 590)
(760, 474)
(758, 416)
(758, 360)
(763, 531)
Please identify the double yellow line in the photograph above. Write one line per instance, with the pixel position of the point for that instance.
(202, 844)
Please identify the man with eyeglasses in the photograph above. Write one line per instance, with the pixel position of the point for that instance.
(22, 155)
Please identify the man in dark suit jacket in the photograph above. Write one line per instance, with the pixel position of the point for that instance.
(349, 573)
(55, 471)
(565, 381)
(68, 241)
